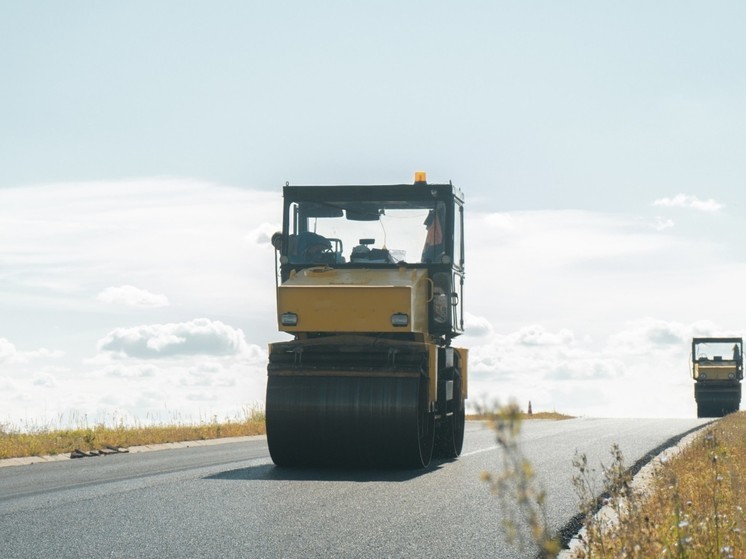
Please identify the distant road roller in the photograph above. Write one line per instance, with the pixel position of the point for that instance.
(717, 369)
(370, 282)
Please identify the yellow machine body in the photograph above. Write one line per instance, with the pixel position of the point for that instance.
(716, 370)
(362, 300)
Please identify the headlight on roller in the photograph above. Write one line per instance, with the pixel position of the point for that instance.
(289, 319)
(399, 319)
(732, 376)
(703, 376)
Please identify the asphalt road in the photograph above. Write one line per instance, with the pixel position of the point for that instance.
(229, 500)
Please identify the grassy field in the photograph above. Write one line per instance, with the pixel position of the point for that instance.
(695, 509)
(44, 441)
(523, 416)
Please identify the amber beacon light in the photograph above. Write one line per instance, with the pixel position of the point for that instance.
(420, 177)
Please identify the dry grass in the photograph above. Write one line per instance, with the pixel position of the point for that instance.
(695, 509)
(16, 443)
(522, 416)
(692, 509)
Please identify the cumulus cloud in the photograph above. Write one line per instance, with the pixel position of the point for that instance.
(9, 353)
(532, 242)
(528, 353)
(197, 337)
(132, 297)
(7, 385)
(63, 241)
(7, 350)
(688, 201)
(44, 379)
(209, 374)
(649, 335)
(477, 326)
(536, 335)
(120, 370)
(599, 376)
(661, 224)
(262, 235)
(586, 367)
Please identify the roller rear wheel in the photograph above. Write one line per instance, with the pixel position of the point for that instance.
(449, 434)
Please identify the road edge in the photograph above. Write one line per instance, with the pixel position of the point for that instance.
(27, 460)
(641, 482)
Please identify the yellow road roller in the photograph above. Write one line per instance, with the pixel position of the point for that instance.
(717, 369)
(370, 282)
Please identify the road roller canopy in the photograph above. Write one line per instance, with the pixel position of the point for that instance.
(343, 247)
(372, 226)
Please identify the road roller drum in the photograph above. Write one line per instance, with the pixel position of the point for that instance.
(349, 420)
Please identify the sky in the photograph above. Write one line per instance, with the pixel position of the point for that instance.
(144, 145)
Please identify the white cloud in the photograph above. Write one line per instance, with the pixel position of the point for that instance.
(689, 201)
(130, 371)
(45, 379)
(608, 376)
(211, 374)
(62, 242)
(7, 350)
(477, 326)
(648, 335)
(640, 368)
(523, 241)
(536, 335)
(132, 297)
(7, 386)
(262, 235)
(9, 353)
(197, 337)
(661, 224)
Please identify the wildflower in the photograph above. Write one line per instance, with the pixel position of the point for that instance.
(683, 524)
